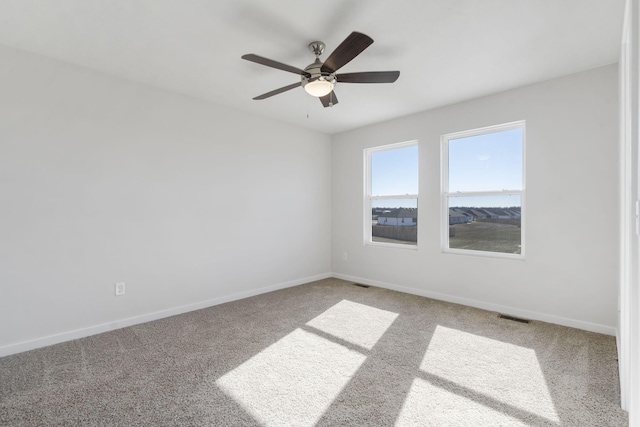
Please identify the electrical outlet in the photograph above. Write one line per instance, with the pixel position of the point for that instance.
(345, 256)
(119, 288)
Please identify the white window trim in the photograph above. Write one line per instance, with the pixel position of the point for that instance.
(368, 198)
(444, 216)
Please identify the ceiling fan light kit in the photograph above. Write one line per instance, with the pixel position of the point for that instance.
(319, 88)
(318, 84)
(319, 78)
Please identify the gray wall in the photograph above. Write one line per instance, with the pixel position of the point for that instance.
(104, 180)
(570, 272)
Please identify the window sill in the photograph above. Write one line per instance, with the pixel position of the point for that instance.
(392, 245)
(484, 254)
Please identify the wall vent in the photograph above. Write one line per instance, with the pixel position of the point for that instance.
(361, 285)
(515, 319)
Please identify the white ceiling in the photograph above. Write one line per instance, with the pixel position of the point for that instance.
(446, 50)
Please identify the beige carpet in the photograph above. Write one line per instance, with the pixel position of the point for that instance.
(325, 353)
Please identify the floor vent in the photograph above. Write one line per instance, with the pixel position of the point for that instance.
(361, 285)
(515, 319)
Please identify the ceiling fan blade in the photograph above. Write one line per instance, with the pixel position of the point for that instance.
(274, 64)
(351, 47)
(369, 77)
(277, 91)
(329, 100)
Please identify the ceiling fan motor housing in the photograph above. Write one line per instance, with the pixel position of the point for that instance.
(316, 73)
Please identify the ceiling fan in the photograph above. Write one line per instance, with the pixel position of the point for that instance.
(319, 78)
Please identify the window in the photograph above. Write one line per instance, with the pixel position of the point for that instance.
(483, 191)
(391, 195)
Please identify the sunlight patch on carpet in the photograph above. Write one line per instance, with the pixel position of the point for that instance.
(427, 404)
(294, 380)
(358, 324)
(490, 370)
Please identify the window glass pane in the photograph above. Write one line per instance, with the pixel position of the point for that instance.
(488, 162)
(485, 223)
(394, 221)
(394, 172)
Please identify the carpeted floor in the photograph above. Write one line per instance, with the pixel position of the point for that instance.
(325, 353)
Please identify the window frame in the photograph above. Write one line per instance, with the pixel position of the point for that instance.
(444, 227)
(369, 198)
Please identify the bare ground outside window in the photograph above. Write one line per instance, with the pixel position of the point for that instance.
(386, 240)
(486, 236)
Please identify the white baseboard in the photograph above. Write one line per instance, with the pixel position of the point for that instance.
(513, 311)
(148, 317)
(622, 369)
